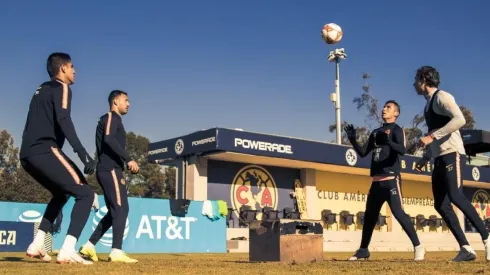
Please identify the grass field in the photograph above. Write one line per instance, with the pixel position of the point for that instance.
(334, 263)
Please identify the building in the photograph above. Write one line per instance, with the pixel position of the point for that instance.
(259, 170)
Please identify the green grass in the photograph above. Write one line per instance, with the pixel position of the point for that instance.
(229, 264)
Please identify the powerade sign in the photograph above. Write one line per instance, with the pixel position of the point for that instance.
(15, 236)
(150, 227)
(263, 146)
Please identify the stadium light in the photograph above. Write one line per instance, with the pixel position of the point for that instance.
(335, 56)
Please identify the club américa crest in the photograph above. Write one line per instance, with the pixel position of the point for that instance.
(481, 202)
(255, 187)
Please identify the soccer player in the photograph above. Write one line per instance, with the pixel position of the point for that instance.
(111, 143)
(387, 144)
(443, 143)
(48, 125)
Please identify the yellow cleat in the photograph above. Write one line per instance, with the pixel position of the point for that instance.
(89, 252)
(121, 258)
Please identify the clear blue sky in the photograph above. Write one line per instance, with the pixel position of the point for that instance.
(256, 65)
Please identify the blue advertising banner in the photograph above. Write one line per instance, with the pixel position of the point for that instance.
(15, 236)
(257, 186)
(21, 212)
(150, 227)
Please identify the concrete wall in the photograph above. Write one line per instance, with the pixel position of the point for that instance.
(349, 241)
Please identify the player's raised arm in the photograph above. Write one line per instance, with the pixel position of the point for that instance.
(361, 150)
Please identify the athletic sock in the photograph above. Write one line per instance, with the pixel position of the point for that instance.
(116, 251)
(69, 243)
(39, 239)
(469, 249)
(88, 244)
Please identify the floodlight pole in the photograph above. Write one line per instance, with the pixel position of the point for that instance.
(337, 102)
(336, 56)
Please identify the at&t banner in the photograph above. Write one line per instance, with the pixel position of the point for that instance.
(150, 227)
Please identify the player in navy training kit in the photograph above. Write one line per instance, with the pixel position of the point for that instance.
(48, 124)
(387, 144)
(444, 143)
(110, 140)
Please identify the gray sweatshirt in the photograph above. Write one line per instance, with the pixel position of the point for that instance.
(446, 139)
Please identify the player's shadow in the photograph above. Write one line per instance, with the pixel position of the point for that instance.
(245, 262)
(347, 260)
(16, 259)
(13, 259)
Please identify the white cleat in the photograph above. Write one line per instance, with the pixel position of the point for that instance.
(361, 253)
(69, 257)
(465, 255)
(419, 252)
(38, 252)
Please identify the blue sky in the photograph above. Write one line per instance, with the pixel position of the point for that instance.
(256, 65)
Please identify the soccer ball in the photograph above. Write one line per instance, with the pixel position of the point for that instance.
(332, 33)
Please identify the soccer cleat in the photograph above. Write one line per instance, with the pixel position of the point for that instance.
(487, 252)
(419, 252)
(38, 252)
(121, 257)
(361, 253)
(89, 252)
(487, 249)
(465, 255)
(69, 257)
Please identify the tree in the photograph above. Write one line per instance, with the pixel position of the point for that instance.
(413, 134)
(8, 153)
(92, 180)
(15, 183)
(170, 184)
(370, 104)
(152, 179)
(24, 189)
(361, 131)
(468, 116)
